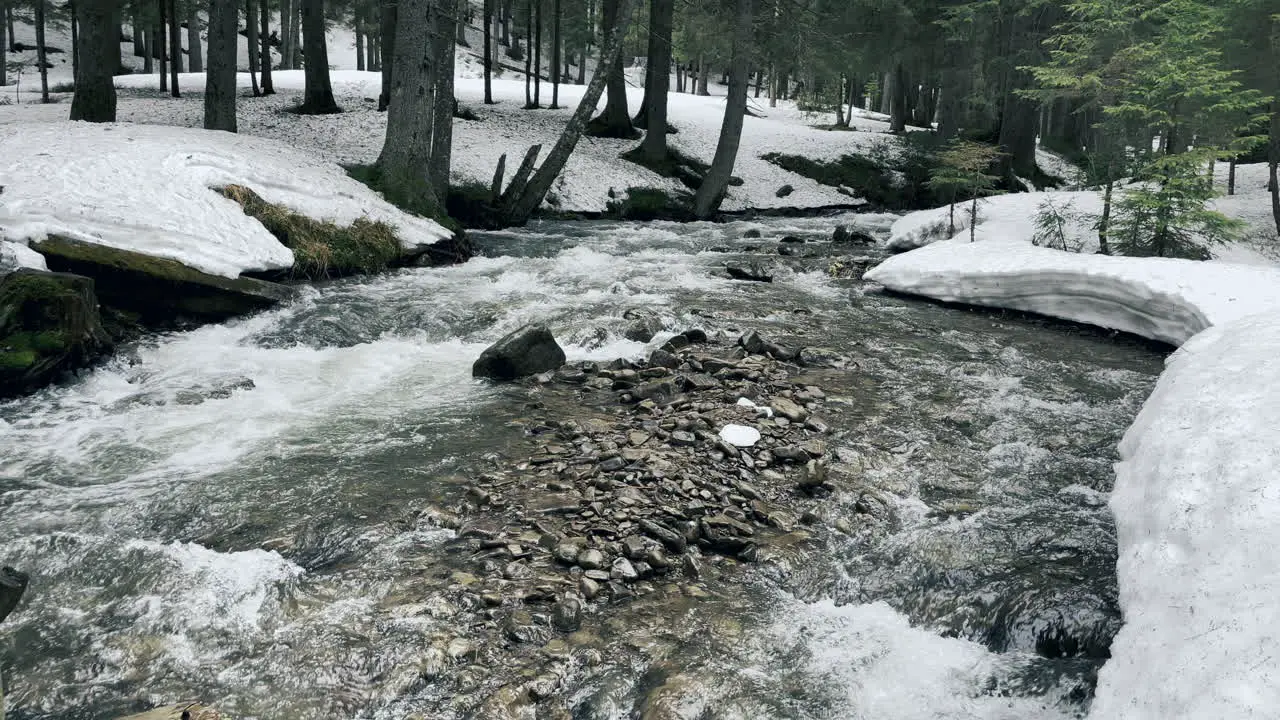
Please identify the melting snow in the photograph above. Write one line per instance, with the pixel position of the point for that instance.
(740, 435)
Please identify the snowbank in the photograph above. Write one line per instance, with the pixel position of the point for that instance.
(1159, 298)
(14, 256)
(1197, 493)
(1197, 506)
(147, 188)
(1002, 217)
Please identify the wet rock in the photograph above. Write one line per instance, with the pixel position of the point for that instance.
(12, 585)
(566, 553)
(785, 191)
(661, 391)
(788, 251)
(527, 351)
(845, 234)
(751, 234)
(663, 358)
(623, 570)
(180, 711)
(683, 438)
(643, 326)
(752, 342)
(813, 475)
(521, 627)
(566, 615)
(635, 547)
(788, 409)
(818, 357)
(612, 464)
(590, 588)
(752, 272)
(696, 336)
(672, 540)
(591, 559)
(49, 326)
(793, 240)
(791, 453)
(725, 534)
(638, 438)
(675, 343)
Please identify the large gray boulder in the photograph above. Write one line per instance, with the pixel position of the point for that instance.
(527, 351)
(12, 585)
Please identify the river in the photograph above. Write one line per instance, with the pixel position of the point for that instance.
(245, 514)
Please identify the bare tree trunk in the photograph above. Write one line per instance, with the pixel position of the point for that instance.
(1273, 160)
(712, 190)
(522, 207)
(75, 40)
(264, 38)
(704, 72)
(251, 36)
(461, 25)
(404, 164)
(1231, 177)
(175, 46)
(40, 54)
(556, 42)
(657, 84)
(195, 55)
(139, 37)
(898, 102)
(297, 48)
(488, 52)
(442, 124)
(615, 121)
(220, 67)
(1104, 223)
(388, 11)
(161, 49)
(317, 97)
(359, 44)
(4, 45)
(371, 51)
(99, 50)
(287, 8)
(8, 23)
(582, 68)
(528, 55)
(535, 49)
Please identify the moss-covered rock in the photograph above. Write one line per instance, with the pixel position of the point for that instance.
(160, 292)
(49, 326)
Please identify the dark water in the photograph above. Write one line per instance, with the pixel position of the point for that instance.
(269, 547)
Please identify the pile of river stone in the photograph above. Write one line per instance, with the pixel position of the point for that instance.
(608, 505)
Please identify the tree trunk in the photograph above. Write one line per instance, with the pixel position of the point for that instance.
(387, 12)
(704, 72)
(461, 24)
(4, 47)
(8, 23)
(1273, 160)
(898, 103)
(615, 121)
(1231, 177)
(220, 67)
(556, 48)
(759, 81)
(75, 40)
(251, 38)
(442, 124)
(504, 23)
(287, 8)
(657, 74)
(949, 109)
(528, 55)
(359, 46)
(1018, 136)
(372, 59)
(488, 52)
(712, 190)
(139, 37)
(296, 32)
(317, 97)
(535, 49)
(582, 68)
(148, 47)
(522, 207)
(40, 54)
(195, 55)
(264, 39)
(99, 50)
(161, 49)
(1104, 222)
(175, 46)
(661, 19)
(404, 172)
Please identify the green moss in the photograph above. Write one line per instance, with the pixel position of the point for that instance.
(102, 255)
(17, 359)
(400, 197)
(322, 249)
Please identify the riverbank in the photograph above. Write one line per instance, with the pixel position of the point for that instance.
(1194, 519)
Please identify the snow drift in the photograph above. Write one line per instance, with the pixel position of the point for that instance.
(148, 189)
(1197, 492)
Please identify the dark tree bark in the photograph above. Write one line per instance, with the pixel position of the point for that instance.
(195, 55)
(488, 52)
(99, 51)
(175, 46)
(317, 97)
(657, 71)
(359, 44)
(371, 51)
(387, 12)
(75, 40)
(287, 8)
(8, 23)
(704, 73)
(504, 23)
(220, 67)
(403, 167)
(949, 103)
(251, 36)
(615, 121)
(1273, 161)
(40, 54)
(4, 45)
(161, 48)
(535, 49)
(528, 56)
(139, 37)
(657, 81)
(521, 207)
(898, 104)
(582, 68)
(264, 58)
(442, 123)
(461, 25)
(712, 190)
(298, 45)
(556, 42)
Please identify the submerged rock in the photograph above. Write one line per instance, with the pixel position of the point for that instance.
(844, 234)
(644, 324)
(12, 584)
(49, 325)
(527, 351)
(752, 272)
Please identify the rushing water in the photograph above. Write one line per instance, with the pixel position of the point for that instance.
(242, 513)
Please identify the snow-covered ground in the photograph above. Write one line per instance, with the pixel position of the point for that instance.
(1013, 216)
(1197, 492)
(147, 188)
